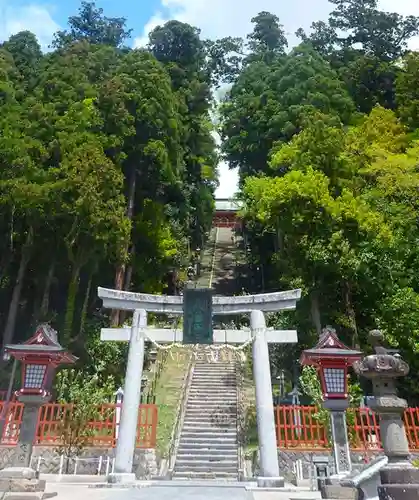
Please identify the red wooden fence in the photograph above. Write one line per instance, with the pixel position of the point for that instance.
(103, 429)
(298, 427)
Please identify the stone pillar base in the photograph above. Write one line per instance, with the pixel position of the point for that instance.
(121, 478)
(270, 482)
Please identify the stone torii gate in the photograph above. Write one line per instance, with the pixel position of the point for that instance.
(256, 305)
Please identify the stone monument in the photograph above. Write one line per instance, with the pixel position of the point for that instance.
(399, 478)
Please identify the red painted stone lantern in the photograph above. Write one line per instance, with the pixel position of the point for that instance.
(332, 358)
(40, 357)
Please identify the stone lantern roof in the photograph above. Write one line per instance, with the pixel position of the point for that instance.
(44, 343)
(329, 348)
(384, 364)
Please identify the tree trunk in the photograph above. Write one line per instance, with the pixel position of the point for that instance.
(73, 288)
(17, 290)
(128, 277)
(315, 311)
(83, 314)
(350, 311)
(43, 310)
(121, 270)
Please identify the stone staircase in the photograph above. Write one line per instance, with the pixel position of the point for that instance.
(208, 446)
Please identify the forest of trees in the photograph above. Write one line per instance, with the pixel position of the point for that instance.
(326, 140)
(108, 168)
(107, 171)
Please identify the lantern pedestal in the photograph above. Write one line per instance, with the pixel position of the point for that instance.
(341, 452)
(23, 453)
(399, 478)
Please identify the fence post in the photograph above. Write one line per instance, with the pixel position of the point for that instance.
(38, 465)
(75, 466)
(99, 469)
(107, 466)
(61, 465)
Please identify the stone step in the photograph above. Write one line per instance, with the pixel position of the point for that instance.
(209, 428)
(192, 464)
(215, 373)
(223, 401)
(208, 436)
(228, 476)
(206, 460)
(203, 402)
(211, 441)
(205, 405)
(202, 439)
(214, 368)
(212, 397)
(214, 380)
(205, 447)
(205, 467)
(213, 388)
(209, 397)
(199, 412)
(202, 452)
(213, 384)
(210, 384)
(209, 421)
(197, 389)
(204, 364)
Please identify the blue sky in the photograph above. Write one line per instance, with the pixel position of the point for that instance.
(216, 18)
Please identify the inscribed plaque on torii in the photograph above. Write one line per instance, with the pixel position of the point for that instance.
(197, 316)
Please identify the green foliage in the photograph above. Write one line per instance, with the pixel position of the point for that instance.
(85, 395)
(328, 172)
(310, 384)
(107, 171)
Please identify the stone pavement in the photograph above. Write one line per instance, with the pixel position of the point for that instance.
(174, 492)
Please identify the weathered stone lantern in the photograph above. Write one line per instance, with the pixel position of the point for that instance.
(399, 478)
(332, 358)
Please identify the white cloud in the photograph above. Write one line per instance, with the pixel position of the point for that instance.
(219, 18)
(31, 17)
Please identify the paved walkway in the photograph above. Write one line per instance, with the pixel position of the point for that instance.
(174, 492)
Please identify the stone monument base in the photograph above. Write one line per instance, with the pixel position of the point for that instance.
(18, 483)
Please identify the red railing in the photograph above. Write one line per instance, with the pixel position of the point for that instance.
(299, 427)
(52, 419)
(10, 419)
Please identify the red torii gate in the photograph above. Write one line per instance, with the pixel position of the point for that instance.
(226, 213)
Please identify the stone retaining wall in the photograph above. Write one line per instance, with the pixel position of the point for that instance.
(145, 462)
(287, 458)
